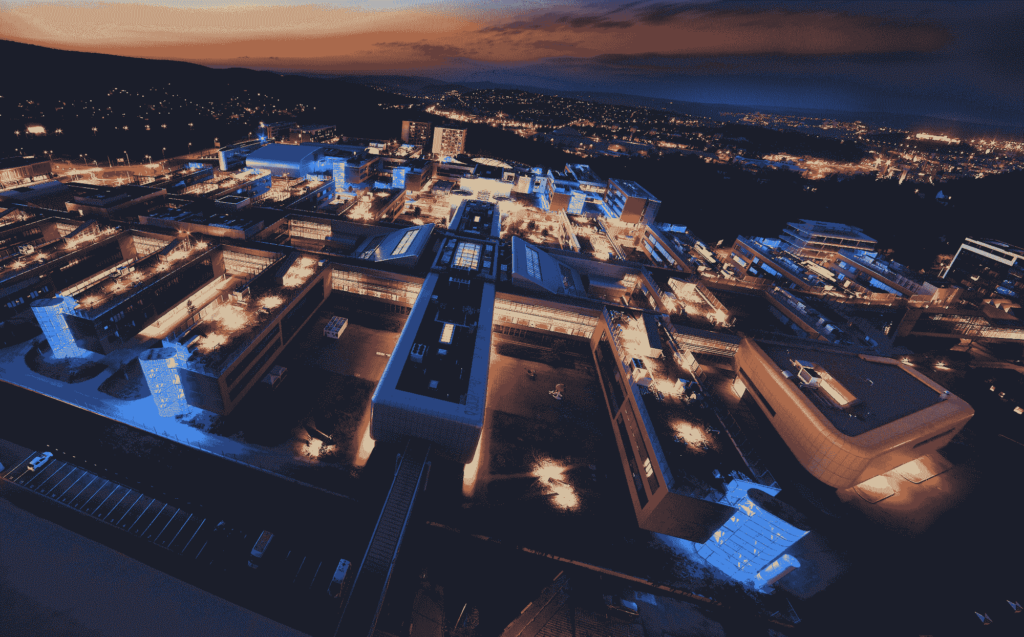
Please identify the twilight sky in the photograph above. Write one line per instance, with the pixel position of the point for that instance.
(960, 60)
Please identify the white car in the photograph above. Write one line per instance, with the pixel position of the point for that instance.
(39, 461)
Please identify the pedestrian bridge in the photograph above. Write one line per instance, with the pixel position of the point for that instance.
(371, 582)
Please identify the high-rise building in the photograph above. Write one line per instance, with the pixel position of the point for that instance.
(629, 202)
(820, 240)
(417, 133)
(449, 142)
(986, 268)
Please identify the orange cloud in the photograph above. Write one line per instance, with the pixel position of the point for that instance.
(347, 39)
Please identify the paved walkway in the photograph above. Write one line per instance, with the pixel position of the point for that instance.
(142, 413)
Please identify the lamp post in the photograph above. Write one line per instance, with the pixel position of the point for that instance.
(163, 151)
(128, 158)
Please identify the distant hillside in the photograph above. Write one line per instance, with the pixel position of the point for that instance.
(52, 88)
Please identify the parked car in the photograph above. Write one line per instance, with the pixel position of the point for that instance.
(38, 462)
(259, 549)
(337, 585)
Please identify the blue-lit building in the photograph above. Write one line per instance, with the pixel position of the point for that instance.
(233, 157)
(757, 534)
(160, 368)
(50, 313)
(284, 160)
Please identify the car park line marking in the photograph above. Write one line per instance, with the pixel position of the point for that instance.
(180, 530)
(105, 482)
(200, 550)
(301, 564)
(69, 474)
(58, 470)
(129, 509)
(94, 479)
(114, 508)
(192, 538)
(48, 476)
(141, 514)
(84, 473)
(11, 471)
(36, 475)
(155, 517)
(317, 572)
(98, 506)
(176, 512)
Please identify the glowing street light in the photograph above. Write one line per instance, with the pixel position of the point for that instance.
(128, 158)
(94, 131)
(163, 151)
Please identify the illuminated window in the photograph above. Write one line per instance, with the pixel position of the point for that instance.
(467, 256)
(446, 334)
(532, 263)
(403, 245)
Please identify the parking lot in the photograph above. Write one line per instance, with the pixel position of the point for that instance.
(289, 586)
(165, 525)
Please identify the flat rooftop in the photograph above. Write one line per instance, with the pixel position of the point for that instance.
(584, 173)
(47, 257)
(887, 391)
(634, 189)
(829, 229)
(448, 330)
(476, 218)
(233, 325)
(107, 293)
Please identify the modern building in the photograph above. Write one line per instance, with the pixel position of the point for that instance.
(534, 270)
(985, 268)
(449, 142)
(760, 258)
(861, 273)
(108, 309)
(285, 160)
(435, 384)
(274, 131)
(82, 252)
(751, 545)
(18, 170)
(315, 133)
(675, 467)
(847, 417)
(200, 216)
(126, 201)
(239, 322)
(182, 180)
(418, 133)
(629, 202)
(233, 157)
(819, 240)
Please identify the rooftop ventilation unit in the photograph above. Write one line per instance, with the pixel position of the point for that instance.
(240, 296)
(809, 377)
(418, 351)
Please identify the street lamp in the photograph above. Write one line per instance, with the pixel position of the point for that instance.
(94, 131)
(128, 158)
(163, 151)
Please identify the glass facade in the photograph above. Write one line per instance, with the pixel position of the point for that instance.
(160, 367)
(50, 315)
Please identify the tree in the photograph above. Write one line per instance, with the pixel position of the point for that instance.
(544, 232)
(417, 211)
(532, 225)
